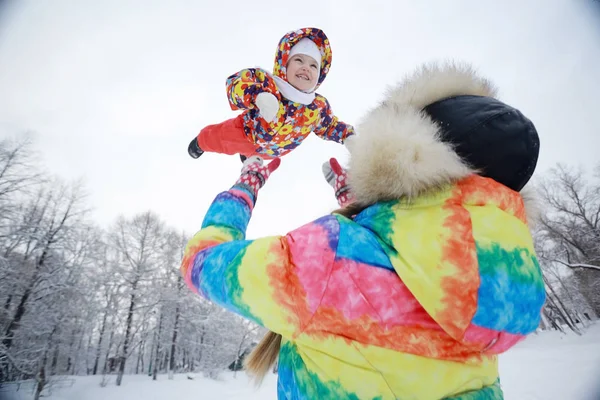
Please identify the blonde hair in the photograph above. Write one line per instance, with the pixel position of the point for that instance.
(263, 357)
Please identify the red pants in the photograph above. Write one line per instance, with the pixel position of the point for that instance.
(228, 137)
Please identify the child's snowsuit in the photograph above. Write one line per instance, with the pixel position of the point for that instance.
(249, 134)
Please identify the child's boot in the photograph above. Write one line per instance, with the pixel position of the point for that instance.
(194, 150)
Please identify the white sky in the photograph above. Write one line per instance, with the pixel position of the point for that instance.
(115, 90)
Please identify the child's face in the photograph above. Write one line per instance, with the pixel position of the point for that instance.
(302, 72)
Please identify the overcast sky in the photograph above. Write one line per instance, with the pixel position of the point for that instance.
(115, 90)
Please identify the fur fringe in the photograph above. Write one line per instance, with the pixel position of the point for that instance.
(397, 151)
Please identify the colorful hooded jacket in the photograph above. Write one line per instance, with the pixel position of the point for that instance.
(294, 121)
(408, 300)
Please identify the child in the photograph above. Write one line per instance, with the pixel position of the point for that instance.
(427, 274)
(282, 109)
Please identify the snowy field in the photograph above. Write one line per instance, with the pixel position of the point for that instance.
(547, 366)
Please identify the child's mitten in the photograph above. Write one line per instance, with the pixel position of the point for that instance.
(337, 177)
(253, 177)
(268, 105)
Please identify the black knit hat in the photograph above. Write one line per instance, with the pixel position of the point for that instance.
(489, 135)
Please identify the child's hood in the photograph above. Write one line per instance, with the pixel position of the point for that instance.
(290, 39)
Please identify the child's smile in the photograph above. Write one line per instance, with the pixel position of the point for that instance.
(302, 72)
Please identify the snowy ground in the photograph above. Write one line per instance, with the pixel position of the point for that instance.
(548, 366)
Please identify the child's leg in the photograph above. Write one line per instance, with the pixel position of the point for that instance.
(228, 137)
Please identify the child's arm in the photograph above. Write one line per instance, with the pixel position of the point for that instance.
(331, 128)
(244, 86)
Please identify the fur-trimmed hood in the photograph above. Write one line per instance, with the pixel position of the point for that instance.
(416, 140)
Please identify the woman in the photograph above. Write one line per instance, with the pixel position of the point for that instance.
(414, 287)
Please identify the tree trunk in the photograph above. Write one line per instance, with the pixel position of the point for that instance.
(201, 346)
(143, 351)
(88, 370)
(563, 310)
(14, 323)
(21, 308)
(553, 320)
(8, 302)
(158, 349)
(109, 347)
(70, 363)
(184, 364)
(99, 346)
(545, 323)
(140, 359)
(570, 296)
(127, 334)
(173, 344)
(165, 362)
(152, 350)
(137, 363)
(238, 355)
(41, 379)
(78, 354)
(54, 361)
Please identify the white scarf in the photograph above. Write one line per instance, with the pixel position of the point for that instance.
(293, 94)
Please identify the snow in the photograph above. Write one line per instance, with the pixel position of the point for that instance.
(143, 387)
(552, 365)
(548, 366)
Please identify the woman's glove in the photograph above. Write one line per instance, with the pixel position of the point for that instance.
(337, 177)
(253, 177)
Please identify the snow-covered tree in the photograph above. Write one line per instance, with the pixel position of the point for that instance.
(571, 229)
(43, 255)
(139, 242)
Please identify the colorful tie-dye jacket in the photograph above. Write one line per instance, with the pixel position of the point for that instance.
(294, 121)
(405, 301)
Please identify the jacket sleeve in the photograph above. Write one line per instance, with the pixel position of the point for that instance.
(331, 128)
(245, 85)
(263, 280)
